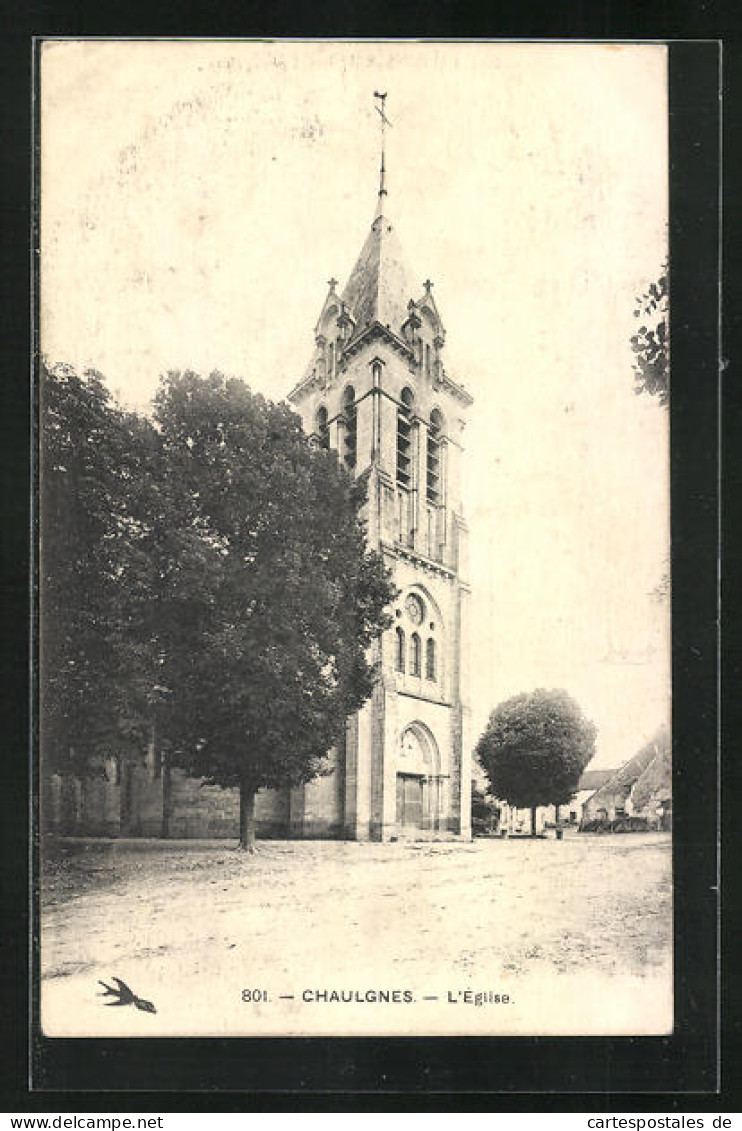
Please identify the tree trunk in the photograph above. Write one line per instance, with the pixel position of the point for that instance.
(126, 799)
(68, 805)
(167, 794)
(533, 820)
(556, 815)
(247, 817)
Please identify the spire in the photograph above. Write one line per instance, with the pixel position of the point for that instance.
(378, 289)
(381, 111)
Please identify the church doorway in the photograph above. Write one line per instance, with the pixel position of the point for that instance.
(419, 782)
(411, 797)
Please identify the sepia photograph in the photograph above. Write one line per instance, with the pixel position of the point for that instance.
(354, 557)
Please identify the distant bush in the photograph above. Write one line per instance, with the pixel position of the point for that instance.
(630, 825)
(618, 825)
(484, 815)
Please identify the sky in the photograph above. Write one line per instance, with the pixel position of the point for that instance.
(197, 196)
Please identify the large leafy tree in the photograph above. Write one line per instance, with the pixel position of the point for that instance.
(534, 749)
(92, 572)
(205, 577)
(265, 627)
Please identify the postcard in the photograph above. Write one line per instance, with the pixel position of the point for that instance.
(355, 539)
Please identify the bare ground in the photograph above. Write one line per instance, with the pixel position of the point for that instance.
(542, 917)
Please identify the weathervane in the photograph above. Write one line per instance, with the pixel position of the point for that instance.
(381, 111)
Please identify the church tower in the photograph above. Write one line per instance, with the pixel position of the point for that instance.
(377, 390)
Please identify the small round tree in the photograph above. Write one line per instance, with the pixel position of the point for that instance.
(534, 749)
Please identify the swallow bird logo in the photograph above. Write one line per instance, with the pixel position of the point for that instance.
(125, 996)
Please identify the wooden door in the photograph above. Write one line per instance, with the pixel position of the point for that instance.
(409, 801)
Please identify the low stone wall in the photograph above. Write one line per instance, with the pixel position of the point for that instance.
(130, 802)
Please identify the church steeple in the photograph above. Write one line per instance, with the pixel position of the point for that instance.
(379, 303)
(378, 289)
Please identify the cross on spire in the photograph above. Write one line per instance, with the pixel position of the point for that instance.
(427, 284)
(332, 283)
(381, 111)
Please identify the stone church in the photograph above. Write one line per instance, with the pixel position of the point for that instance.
(378, 391)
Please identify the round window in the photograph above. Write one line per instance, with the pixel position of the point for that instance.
(415, 608)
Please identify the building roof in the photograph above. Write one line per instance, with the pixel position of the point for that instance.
(655, 783)
(594, 779)
(621, 781)
(378, 289)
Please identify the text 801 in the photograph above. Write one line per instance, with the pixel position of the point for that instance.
(254, 995)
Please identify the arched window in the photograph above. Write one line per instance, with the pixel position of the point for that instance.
(427, 359)
(415, 654)
(404, 442)
(430, 659)
(434, 481)
(323, 428)
(400, 650)
(351, 426)
(376, 408)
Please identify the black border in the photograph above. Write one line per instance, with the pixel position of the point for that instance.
(368, 1074)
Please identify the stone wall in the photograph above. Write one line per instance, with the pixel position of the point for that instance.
(130, 802)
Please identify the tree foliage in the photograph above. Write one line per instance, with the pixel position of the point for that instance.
(651, 346)
(92, 572)
(266, 643)
(204, 573)
(535, 747)
(651, 343)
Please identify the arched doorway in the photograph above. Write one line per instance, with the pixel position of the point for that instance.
(419, 784)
